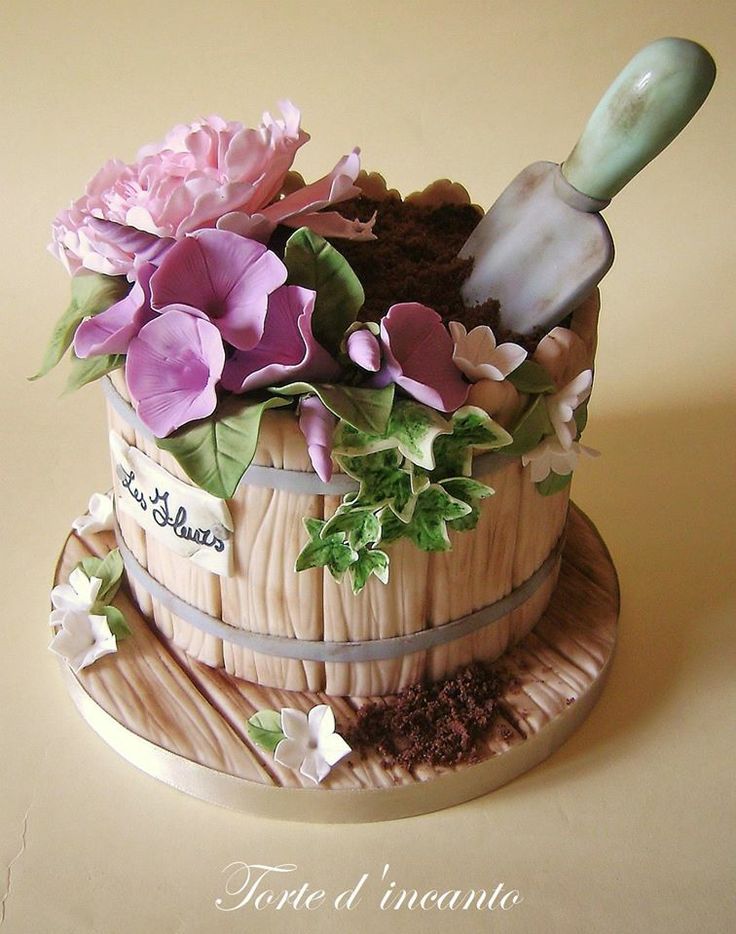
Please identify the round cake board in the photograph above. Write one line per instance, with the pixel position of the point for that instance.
(185, 723)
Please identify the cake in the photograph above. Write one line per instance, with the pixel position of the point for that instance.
(332, 481)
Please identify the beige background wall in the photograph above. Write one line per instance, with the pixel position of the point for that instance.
(629, 826)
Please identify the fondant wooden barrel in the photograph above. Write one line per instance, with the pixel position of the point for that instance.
(306, 632)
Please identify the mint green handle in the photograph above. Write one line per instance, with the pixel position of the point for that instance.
(653, 98)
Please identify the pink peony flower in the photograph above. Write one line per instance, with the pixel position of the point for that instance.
(223, 277)
(418, 357)
(172, 368)
(288, 349)
(81, 241)
(112, 331)
(198, 174)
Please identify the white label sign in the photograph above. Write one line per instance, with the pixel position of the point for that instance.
(187, 520)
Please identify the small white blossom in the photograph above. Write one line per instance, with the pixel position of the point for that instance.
(78, 595)
(478, 356)
(551, 457)
(561, 406)
(311, 745)
(82, 638)
(99, 516)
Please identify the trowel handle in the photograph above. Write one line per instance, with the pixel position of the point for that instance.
(653, 98)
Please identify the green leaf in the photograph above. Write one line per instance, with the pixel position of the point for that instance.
(116, 621)
(467, 491)
(370, 561)
(92, 293)
(361, 526)
(531, 377)
(353, 443)
(331, 552)
(264, 728)
(91, 368)
(313, 263)
(553, 483)
(313, 526)
(428, 526)
(414, 427)
(473, 430)
(215, 452)
(581, 417)
(367, 410)
(383, 482)
(530, 429)
(109, 570)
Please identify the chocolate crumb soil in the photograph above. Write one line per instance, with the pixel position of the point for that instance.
(414, 259)
(440, 723)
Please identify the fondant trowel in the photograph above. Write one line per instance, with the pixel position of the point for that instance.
(543, 246)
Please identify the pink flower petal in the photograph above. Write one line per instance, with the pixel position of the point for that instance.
(418, 357)
(317, 424)
(112, 331)
(332, 188)
(224, 275)
(364, 349)
(172, 369)
(332, 224)
(287, 350)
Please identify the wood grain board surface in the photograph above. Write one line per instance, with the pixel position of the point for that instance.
(172, 706)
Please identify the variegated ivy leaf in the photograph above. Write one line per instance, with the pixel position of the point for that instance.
(415, 427)
(385, 480)
(361, 526)
(533, 425)
(332, 551)
(473, 430)
(553, 483)
(468, 491)
(264, 728)
(370, 561)
(412, 428)
(434, 508)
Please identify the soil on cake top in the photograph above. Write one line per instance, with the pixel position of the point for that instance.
(414, 259)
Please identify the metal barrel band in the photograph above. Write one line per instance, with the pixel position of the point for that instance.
(370, 650)
(292, 481)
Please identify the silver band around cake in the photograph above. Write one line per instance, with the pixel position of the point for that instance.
(313, 650)
(277, 478)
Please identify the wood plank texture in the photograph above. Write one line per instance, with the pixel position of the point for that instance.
(156, 690)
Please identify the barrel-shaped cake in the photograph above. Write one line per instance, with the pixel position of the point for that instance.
(340, 499)
(439, 610)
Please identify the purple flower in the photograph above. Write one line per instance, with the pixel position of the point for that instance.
(224, 277)
(418, 357)
(317, 424)
(172, 368)
(112, 331)
(363, 348)
(288, 349)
